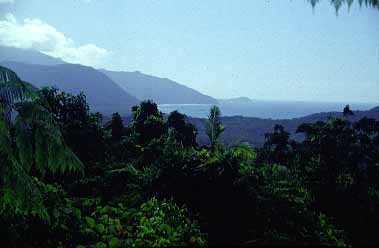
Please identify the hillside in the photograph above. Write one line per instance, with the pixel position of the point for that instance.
(102, 93)
(252, 130)
(161, 90)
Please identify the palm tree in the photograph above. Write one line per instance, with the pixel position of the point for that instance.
(347, 111)
(214, 127)
(29, 139)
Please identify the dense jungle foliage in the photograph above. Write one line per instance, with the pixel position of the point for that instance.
(66, 180)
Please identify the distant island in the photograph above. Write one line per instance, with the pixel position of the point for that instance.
(236, 100)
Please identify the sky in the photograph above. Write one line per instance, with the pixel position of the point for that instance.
(262, 49)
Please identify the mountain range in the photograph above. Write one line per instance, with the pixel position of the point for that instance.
(107, 91)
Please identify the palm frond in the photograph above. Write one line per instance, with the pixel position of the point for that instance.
(214, 127)
(338, 3)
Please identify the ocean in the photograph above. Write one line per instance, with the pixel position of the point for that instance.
(265, 109)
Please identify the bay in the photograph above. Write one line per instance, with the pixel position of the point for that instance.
(265, 109)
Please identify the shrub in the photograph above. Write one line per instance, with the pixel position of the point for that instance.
(156, 223)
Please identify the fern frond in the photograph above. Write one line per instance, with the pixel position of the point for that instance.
(36, 143)
(50, 151)
(18, 191)
(20, 194)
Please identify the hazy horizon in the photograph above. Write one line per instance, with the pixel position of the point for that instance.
(264, 50)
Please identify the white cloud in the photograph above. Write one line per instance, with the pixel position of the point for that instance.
(6, 1)
(38, 35)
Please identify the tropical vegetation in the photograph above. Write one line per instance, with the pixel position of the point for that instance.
(70, 179)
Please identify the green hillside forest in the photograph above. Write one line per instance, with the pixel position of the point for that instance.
(66, 180)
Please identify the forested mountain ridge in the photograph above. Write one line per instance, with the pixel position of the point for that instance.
(102, 93)
(253, 130)
(160, 90)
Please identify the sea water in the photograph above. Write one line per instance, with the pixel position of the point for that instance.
(265, 109)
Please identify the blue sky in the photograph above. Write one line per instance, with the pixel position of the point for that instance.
(272, 50)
